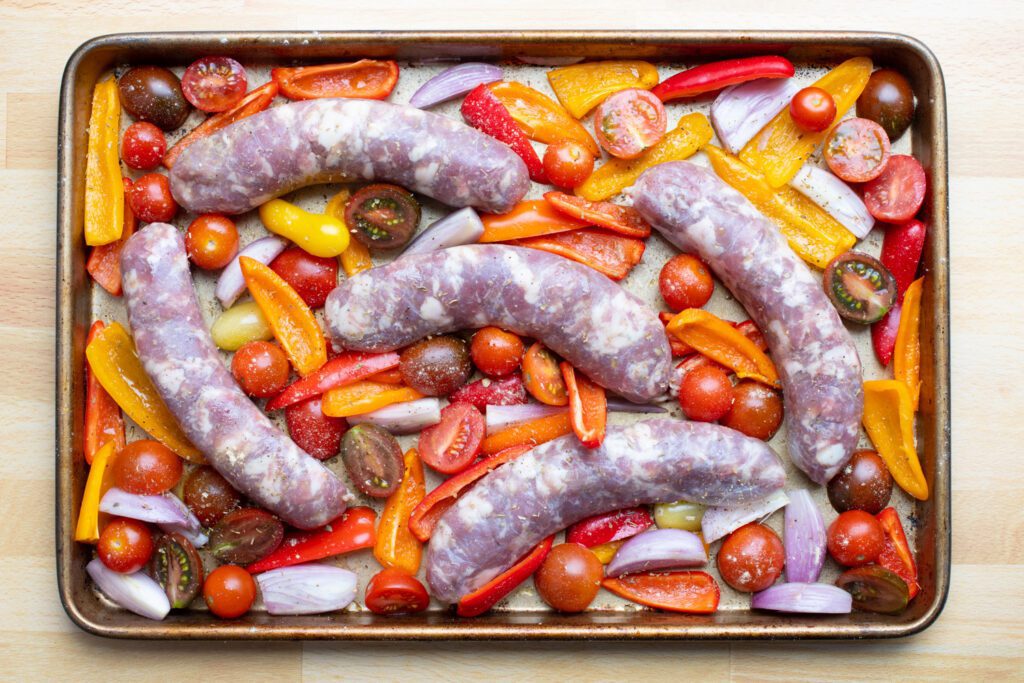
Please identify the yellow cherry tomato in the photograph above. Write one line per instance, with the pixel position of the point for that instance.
(317, 233)
(240, 324)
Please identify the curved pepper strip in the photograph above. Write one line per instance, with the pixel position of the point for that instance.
(901, 254)
(612, 255)
(393, 376)
(540, 117)
(679, 349)
(609, 527)
(889, 421)
(906, 362)
(484, 598)
(718, 75)
(781, 147)
(104, 187)
(346, 368)
(319, 234)
(293, 323)
(532, 433)
(103, 421)
(690, 592)
(529, 218)
(588, 406)
(354, 530)
(88, 527)
(482, 110)
(365, 397)
(367, 79)
(581, 87)
(724, 344)
(114, 362)
(896, 555)
(396, 546)
(624, 220)
(104, 264)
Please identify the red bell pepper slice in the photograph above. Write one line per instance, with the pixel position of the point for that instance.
(718, 75)
(104, 264)
(485, 597)
(901, 254)
(751, 332)
(485, 112)
(354, 530)
(507, 391)
(588, 406)
(609, 526)
(896, 555)
(624, 220)
(690, 592)
(612, 255)
(367, 79)
(103, 420)
(254, 102)
(345, 369)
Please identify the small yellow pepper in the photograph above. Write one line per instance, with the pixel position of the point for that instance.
(581, 87)
(365, 397)
(88, 528)
(889, 422)
(317, 233)
(606, 551)
(540, 117)
(356, 257)
(396, 546)
(906, 359)
(104, 189)
(724, 344)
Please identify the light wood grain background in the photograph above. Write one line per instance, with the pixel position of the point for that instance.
(979, 636)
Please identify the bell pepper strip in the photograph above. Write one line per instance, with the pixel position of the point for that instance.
(813, 234)
(367, 79)
(319, 234)
(484, 598)
(724, 344)
(114, 362)
(901, 254)
(395, 545)
(606, 551)
(889, 421)
(717, 75)
(581, 87)
(612, 255)
(393, 376)
(679, 348)
(608, 527)
(255, 101)
(690, 592)
(691, 133)
(540, 117)
(624, 220)
(104, 264)
(749, 330)
(104, 187)
(425, 515)
(87, 528)
(365, 397)
(485, 112)
(532, 433)
(906, 362)
(347, 368)
(292, 322)
(103, 421)
(781, 147)
(529, 218)
(588, 406)
(354, 530)
(507, 391)
(896, 555)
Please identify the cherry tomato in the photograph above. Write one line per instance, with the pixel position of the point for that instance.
(150, 199)
(209, 495)
(229, 591)
(245, 536)
(496, 352)
(153, 93)
(382, 216)
(143, 146)
(756, 410)
(211, 241)
(813, 109)
(888, 100)
(864, 483)
(857, 150)
(751, 558)
(861, 288)
(125, 545)
(875, 589)
(316, 433)
(897, 194)
(260, 368)
(685, 282)
(393, 591)
(214, 84)
(373, 459)
(147, 467)
(629, 122)
(543, 378)
(855, 538)
(454, 442)
(312, 277)
(706, 394)
(568, 163)
(569, 578)
(436, 366)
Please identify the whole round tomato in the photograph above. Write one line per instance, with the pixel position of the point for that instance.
(751, 558)
(569, 578)
(568, 163)
(897, 194)
(150, 199)
(209, 495)
(211, 241)
(685, 282)
(496, 352)
(153, 94)
(454, 442)
(857, 150)
(125, 545)
(436, 366)
(229, 591)
(888, 100)
(813, 109)
(214, 84)
(864, 483)
(261, 368)
(706, 394)
(756, 410)
(393, 591)
(629, 122)
(316, 433)
(855, 538)
(542, 376)
(312, 277)
(147, 467)
(143, 146)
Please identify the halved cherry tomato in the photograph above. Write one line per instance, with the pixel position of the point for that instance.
(568, 163)
(147, 467)
(150, 199)
(857, 150)
(685, 282)
(393, 591)
(813, 109)
(312, 431)
(624, 220)
(629, 123)
(260, 368)
(214, 84)
(897, 194)
(229, 591)
(382, 216)
(855, 538)
(690, 592)
(495, 352)
(369, 79)
(542, 377)
(143, 146)
(705, 394)
(211, 241)
(125, 545)
(313, 277)
(454, 442)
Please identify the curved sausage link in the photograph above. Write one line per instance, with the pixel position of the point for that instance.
(817, 362)
(179, 356)
(334, 140)
(603, 330)
(558, 483)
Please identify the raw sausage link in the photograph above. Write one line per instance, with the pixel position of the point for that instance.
(603, 330)
(558, 483)
(178, 354)
(817, 362)
(334, 140)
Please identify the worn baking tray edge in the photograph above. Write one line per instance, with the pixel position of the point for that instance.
(934, 539)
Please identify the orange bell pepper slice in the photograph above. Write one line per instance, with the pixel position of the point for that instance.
(90, 524)
(368, 79)
(103, 421)
(540, 117)
(292, 322)
(724, 344)
(532, 433)
(396, 546)
(365, 397)
(691, 133)
(581, 87)
(624, 220)
(689, 592)
(679, 349)
(781, 147)
(612, 255)
(588, 406)
(529, 218)
(356, 257)
(393, 376)
(104, 188)
(104, 264)
(485, 597)
(889, 421)
(906, 360)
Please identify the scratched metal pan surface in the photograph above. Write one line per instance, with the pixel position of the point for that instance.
(421, 55)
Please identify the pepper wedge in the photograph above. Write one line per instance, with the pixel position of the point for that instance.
(529, 218)
(724, 344)
(396, 546)
(365, 397)
(581, 87)
(588, 406)
(906, 361)
(104, 264)
(485, 597)
(367, 79)
(896, 555)
(607, 253)
(540, 117)
(88, 526)
(354, 530)
(690, 592)
(889, 421)
(624, 220)
(347, 368)
(104, 187)
(103, 421)
(532, 433)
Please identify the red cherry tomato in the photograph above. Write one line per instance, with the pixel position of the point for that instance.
(214, 84)
(897, 194)
(685, 282)
(125, 545)
(150, 199)
(751, 558)
(454, 442)
(211, 241)
(147, 467)
(143, 146)
(312, 277)
(209, 495)
(855, 538)
(316, 433)
(629, 122)
(813, 109)
(568, 163)
(705, 394)
(496, 352)
(857, 150)
(569, 578)
(393, 591)
(756, 410)
(260, 368)
(229, 591)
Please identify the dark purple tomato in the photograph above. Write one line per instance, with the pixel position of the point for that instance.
(888, 100)
(863, 484)
(153, 94)
(436, 366)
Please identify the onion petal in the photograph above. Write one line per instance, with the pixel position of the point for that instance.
(164, 508)
(453, 82)
(135, 592)
(658, 549)
(308, 589)
(455, 229)
(740, 111)
(804, 598)
(500, 417)
(720, 521)
(403, 418)
(231, 284)
(621, 405)
(804, 538)
(835, 197)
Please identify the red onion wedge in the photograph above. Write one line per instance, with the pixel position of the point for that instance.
(740, 111)
(134, 592)
(658, 549)
(804, 598)
(231, 284)
(455, 229)
(721, 521)
(803, 538)
(500, 417)
(403, 418)
(453, 82)
(307, 589)
(621, 405)
(164, 508)
(835, 197)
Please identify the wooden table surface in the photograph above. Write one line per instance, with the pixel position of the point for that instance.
(981, 633)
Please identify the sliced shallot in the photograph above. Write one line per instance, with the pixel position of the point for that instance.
(658, 549)
(804, 598)
(835, 197)
(455, 229)
(231, 284)
(720, 521)
(740, 111)
(403, 418)
(500, 417)
(453, 82)
(804, 538)
(307, 589)
(134, 592)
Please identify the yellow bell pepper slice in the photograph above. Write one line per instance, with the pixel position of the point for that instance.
(540, 117)
(691, 133)
(365, 397)
(581, 87)
(114, 362)
(88, 528)
(396, 546)
(606, 551)
(813, 234)
(319, 234)
(906, 360)
(724, 344)
(104, 189)
(889, 422)
(356, 257)
(782, 147)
